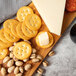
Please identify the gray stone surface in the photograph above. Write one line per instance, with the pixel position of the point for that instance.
(61, 64)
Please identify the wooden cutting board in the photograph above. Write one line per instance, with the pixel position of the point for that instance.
(68, 18)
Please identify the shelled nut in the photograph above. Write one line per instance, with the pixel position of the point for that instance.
(11, 55)
(16, 70)
(15, 59)
(7, 58)
(27, 41)
(45, 63)
(3, 71)
(19, 74)
(34, 50)
(35, 60)
(11, 48)
(19, 63)
(39, 57)
(10, 63)
(21, 69)
(26, 60)
(11, 69)
(27, 67)
(51, 53)
(33, 56)
(40, 71)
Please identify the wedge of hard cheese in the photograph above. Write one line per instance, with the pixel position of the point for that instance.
(52, 12)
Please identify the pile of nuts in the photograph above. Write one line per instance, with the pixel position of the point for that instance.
(15, 65)
(45, 64)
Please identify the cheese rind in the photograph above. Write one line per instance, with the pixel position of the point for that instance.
(52, 12)
(43, 39)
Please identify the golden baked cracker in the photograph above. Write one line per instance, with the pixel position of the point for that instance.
(3, 53)
(16, 19)
(22, 50)
(13, 28)
(5, 45)
(33, 21)
(7, 24)
(10, 37)
(20, 33)
(51, 40)
(28, 32)
(23, 12)
(2, 37)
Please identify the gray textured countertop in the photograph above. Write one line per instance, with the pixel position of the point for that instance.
(63, 63)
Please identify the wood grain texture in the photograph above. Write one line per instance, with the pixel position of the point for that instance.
(68, 17)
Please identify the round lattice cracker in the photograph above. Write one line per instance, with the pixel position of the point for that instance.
(5, 45)
(13, 28)
(33, 21)
(28, 32)
(3, 53)
(10, 37)
(51, 40)
(20, 33)
(23, 12)
(7, 24)
(2, 37)
(22, 50)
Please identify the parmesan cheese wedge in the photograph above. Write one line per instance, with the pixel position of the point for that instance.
(52, 12)
(43, 39)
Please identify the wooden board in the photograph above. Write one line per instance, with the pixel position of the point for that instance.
(68, 17)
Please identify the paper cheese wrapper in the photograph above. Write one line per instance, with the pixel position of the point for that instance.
(52, 12)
